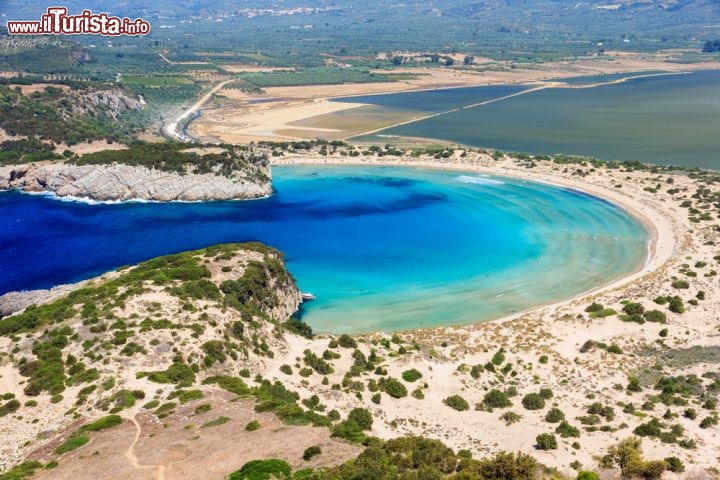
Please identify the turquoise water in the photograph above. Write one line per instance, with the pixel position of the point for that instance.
(382, 248)
(673, 119)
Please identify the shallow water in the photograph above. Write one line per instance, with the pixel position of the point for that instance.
(669, 119)
(382, 248)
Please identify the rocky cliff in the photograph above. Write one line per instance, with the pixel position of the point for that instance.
(126, 182)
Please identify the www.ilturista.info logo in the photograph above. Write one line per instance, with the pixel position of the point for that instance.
(56, 21)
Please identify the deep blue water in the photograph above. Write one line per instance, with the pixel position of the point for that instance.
(382, 248)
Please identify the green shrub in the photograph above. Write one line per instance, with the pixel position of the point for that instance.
(655, 316)
(362, 417)
(9, 407)
(19, 472)
(263, 470)
(675, 304)
(103, 423)
(231, 384)
(349, 430)
(566, 430)
(594, 307)
(510, 417)
(674, 464)
(252, 426)
(476, 370)
(457, 402)
(606, 312)
(310, 452)
(554, 415)
(546, 441)
(204, 408)
(411, 375)
(214, 423)
(543, 359)
(392, 387)
(496, 399)
(286, 369)
(346, 341)
(546, 393)
(179, 374)
(533, 401)
(75, 441)
(498, 358)
(587, 475)
(299, 327)
(680, 284)
(633, 308)
(708, 422)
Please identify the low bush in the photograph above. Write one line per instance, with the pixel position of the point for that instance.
(457, 402)
(411, 375)
(533, 401)
(496, 399)
(546, 441)
(310, 452)
(263, 470)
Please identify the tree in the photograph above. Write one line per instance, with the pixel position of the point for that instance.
(628, 456)
(468, 60)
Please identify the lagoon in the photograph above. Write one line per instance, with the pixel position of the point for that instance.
(668, 119)
(382, 247)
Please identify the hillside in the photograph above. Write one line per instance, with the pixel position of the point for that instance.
(69, 114)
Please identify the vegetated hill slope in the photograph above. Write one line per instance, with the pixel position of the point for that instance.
(170, 322)
(84, 112)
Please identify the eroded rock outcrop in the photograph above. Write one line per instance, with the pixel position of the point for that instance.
(126, 182)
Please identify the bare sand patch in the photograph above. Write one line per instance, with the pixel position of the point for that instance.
(90, 147)
(36, 87)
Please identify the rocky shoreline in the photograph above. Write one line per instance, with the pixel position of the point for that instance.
(118, 182)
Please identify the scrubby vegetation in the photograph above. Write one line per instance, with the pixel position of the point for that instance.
(409, 458)
(82, 113)
(172, 157)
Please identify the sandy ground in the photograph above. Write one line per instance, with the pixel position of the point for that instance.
(90, 147)
(35, 87)
(178, 447)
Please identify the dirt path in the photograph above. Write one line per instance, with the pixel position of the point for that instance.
(171, 128)
(132, 458)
